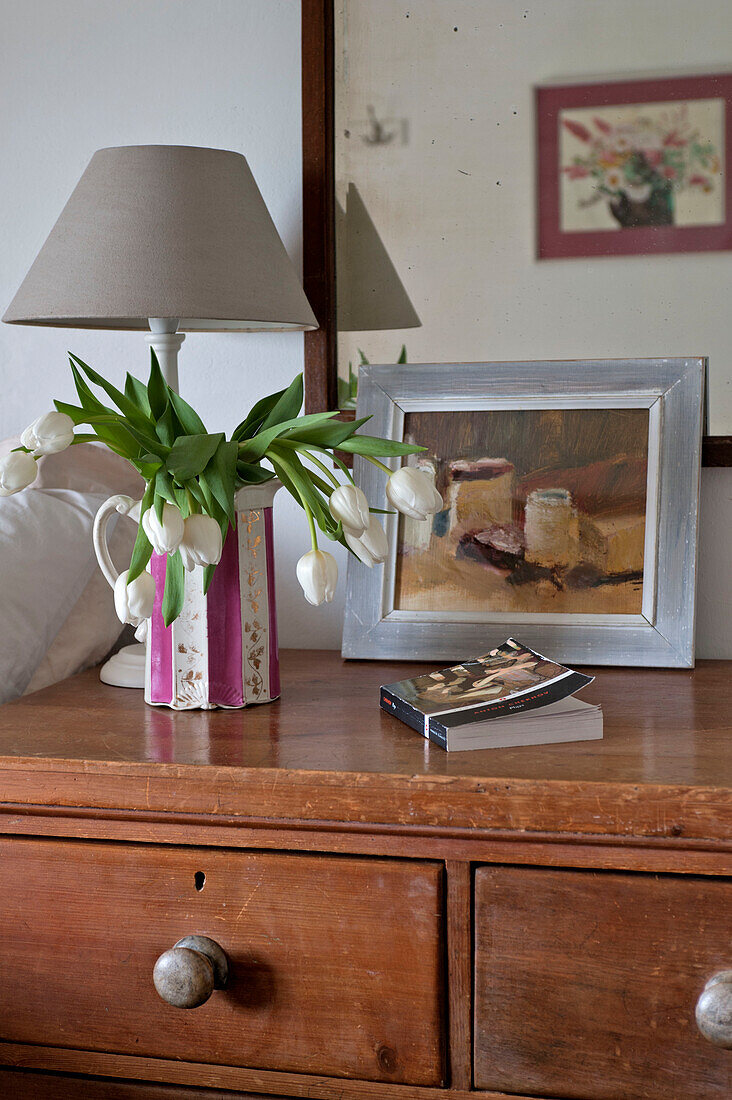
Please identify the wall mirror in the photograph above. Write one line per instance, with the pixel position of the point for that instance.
(493, 181)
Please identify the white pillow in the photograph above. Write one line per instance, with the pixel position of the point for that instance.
(44, 568)
(56, 610)
(91, 627)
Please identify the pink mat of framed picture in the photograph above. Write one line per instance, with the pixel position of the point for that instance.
(588, 109)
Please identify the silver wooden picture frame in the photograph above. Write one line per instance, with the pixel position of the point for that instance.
(658, 631)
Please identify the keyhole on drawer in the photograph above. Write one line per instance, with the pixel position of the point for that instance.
(200, 880)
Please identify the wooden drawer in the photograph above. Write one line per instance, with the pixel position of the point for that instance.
(336, 963)
(586, 984)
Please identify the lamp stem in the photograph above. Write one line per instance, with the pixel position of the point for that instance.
(165, 340)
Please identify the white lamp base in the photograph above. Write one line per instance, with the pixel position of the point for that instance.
(126, 668)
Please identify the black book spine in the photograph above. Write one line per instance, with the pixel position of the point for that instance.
(438, 734)
(401, 709)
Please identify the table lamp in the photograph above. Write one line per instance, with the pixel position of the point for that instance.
(165, 238)
(168, 239)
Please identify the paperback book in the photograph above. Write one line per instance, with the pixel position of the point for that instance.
(511, 696)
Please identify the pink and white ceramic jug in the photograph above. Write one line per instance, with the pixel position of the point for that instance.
(221, 651)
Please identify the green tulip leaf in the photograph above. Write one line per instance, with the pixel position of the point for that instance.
(197, 493)
(141, 554)
(157, 389)
(189, 419)
(181, 500)
(330, 434)
(208, 573)
(299, 482)
(174, 588)
(219, 477)
(164, 491)
(87, 398)
(253, 421)
(250, 474)
(378, 448)
(127, 407)
(254, 449)
(142, 550)
(288, 405)
(166, 427)
(81, 416)
(136, 392)
(190, 454)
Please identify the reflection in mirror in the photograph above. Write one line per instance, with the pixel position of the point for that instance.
(445, 202)
(371, 296)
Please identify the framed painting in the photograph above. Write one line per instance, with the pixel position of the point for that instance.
(570, 493)
(636, 166)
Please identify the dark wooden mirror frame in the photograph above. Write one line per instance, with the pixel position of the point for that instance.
(318, 186)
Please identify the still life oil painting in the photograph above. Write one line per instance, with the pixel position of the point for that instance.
(635, 166)
(565, 511)
(544, 512)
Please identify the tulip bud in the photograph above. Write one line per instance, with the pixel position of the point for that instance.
(17, 471)
(317, 572)
(201, 543)
(372, 547)
(133, 602)
(166, 536)
(349, 505)
(49, 434)
(412, 492)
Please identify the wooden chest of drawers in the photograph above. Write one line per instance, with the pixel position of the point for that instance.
(397, 922)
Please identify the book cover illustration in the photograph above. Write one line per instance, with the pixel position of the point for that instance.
(510, 679)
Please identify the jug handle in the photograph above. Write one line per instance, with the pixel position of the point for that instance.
(123, 505)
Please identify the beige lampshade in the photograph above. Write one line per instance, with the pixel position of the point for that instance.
(164, 231)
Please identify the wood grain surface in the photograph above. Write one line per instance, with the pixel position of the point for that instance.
(195, 1074)
(586, 984)
(460, 971)
(325, 752)
(318, 203)
(336, 964)
(27, 1085)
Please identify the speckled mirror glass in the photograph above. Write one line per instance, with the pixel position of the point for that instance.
(442, 196)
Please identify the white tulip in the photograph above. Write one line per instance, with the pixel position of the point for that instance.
(372, 547)
(201, 543)
(413, 493)
(166, 536)
(317, 572)
(134, 602)
(349, 505)
(49, 434)
(17, 471)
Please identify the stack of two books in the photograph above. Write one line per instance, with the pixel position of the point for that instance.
(510, 697)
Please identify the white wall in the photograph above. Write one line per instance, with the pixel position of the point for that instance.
(78, 75)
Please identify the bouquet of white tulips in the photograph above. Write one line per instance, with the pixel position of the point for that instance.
(192, 477)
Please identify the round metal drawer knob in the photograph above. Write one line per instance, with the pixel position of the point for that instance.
(187, 975)
(714, 1010)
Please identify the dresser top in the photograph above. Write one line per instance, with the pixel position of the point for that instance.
(326, 752)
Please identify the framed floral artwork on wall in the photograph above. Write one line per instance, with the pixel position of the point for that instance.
(635, 167)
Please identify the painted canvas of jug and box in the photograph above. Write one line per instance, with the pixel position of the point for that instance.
(544, 512)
